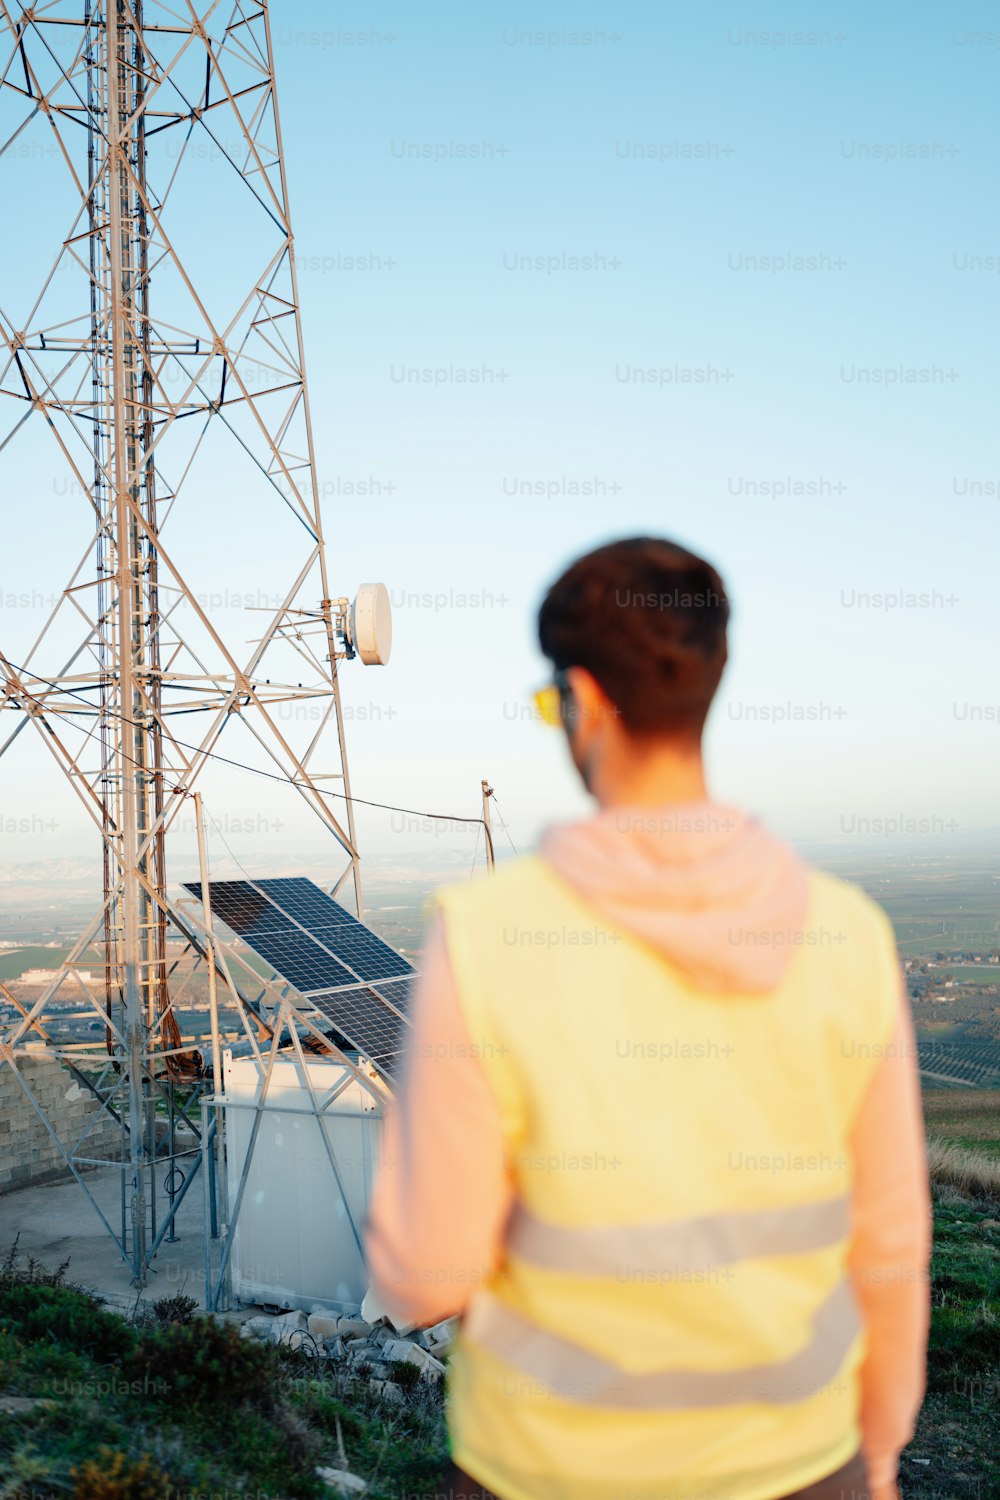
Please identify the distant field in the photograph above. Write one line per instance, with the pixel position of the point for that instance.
(934, 906)
(954, 935)
(13, 962)
(965, 1117)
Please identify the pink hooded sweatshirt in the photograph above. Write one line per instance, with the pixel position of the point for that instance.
(682, 878)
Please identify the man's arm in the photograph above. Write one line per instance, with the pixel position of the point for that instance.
(443, 1192)
(890, 1253)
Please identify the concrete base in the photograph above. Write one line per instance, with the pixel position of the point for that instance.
(57, 1222)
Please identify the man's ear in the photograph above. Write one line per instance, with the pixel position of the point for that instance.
(591, 704)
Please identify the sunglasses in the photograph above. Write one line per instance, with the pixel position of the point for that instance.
(554, 701)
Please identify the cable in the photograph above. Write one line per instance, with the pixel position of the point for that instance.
(224, 759)
(237, 862)
(503, 825)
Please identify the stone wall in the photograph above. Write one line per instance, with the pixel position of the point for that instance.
(28, 1153)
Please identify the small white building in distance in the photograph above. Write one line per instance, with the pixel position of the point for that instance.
(45, 976)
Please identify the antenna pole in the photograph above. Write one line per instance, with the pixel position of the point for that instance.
(129, 582)
(222, 1184)
(487, 794)
(206, 901)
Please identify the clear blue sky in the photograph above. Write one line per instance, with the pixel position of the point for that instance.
(887, 518)
(674, 148)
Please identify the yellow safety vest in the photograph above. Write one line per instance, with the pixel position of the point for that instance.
(673, 1319)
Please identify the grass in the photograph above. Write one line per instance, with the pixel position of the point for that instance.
(955, 1453)
(966, 1118)
(987, 974)
(112, 1409)
(14, 961)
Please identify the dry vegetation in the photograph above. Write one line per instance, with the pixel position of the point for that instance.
(972, 1172)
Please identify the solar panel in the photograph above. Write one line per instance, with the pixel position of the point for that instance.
(301, 961)
(368, 1024)
(370, 958)
(354, 979)
(305, 903)
(267, 911)
(397, 993)
(242, 908)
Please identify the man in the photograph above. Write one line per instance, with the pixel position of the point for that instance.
(660, 1139)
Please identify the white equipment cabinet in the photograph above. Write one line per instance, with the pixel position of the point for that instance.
(293, 1245)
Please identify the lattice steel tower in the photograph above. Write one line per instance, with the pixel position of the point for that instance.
(160, 343)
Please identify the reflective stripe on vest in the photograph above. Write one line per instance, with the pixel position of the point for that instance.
(675, 1246)
(576, 1374)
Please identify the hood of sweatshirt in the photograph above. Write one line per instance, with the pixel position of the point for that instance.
(706, 884)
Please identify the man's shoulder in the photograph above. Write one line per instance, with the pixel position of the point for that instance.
(845, 906)
(516, 883)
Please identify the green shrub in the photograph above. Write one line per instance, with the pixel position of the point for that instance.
(25, 1470)
(404, 1372)
(204, 1364)
(177, 1309)
(18, 1268)
(41, 1313)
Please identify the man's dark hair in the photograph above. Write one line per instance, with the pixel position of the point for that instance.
(647, 619)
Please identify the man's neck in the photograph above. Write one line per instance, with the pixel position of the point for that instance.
(660, 776)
